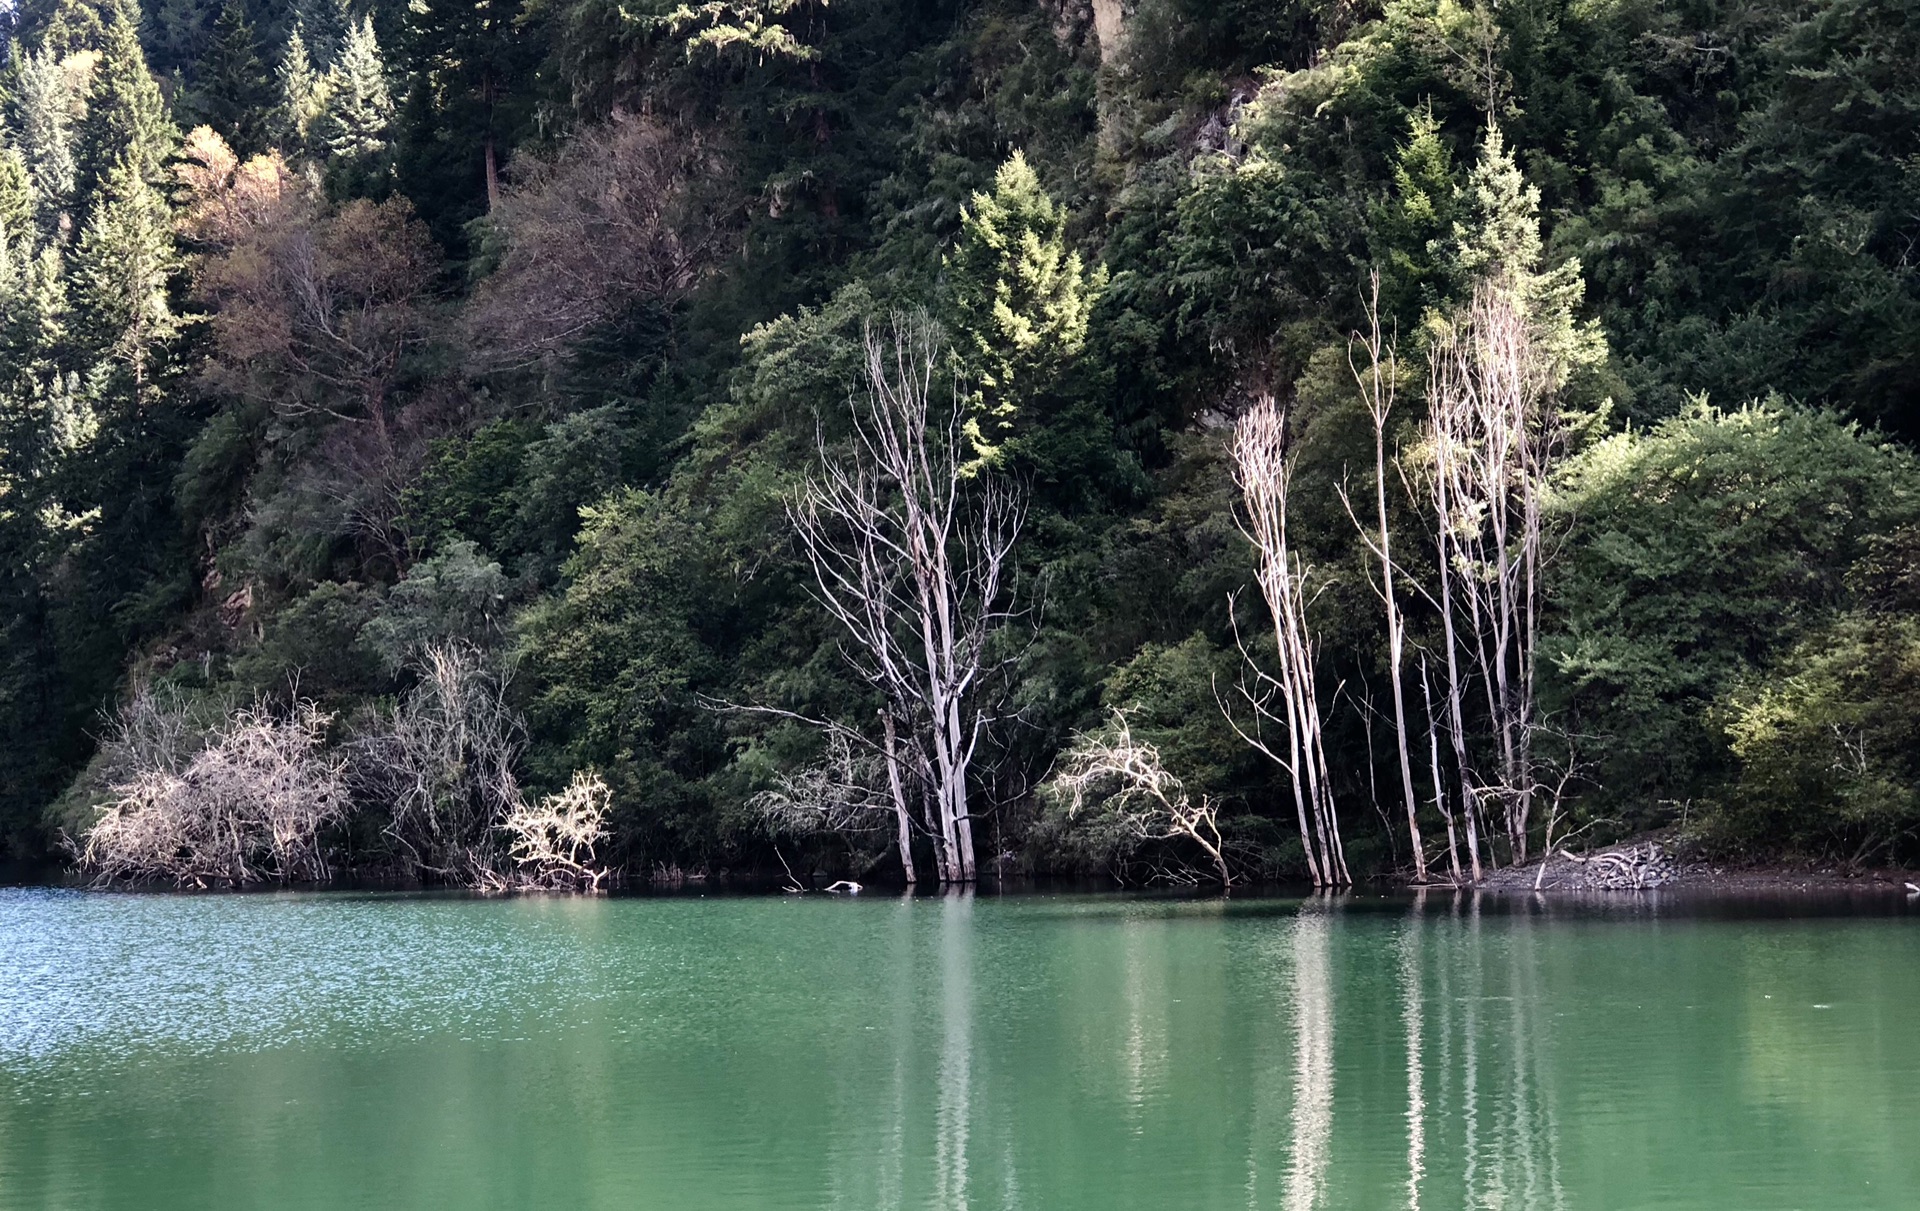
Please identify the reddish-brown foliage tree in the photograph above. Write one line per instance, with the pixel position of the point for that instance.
(314, 309)
(612, 219)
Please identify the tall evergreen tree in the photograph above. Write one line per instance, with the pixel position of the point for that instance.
(178, 36)
(1411, 228)
(126, 115)
(42, 131)
(326, 25)
(1021, 298)
(351, 132)
(235, 94)
(16, 201)
(303, 93)
(468, 101)
(33, 316)
(62, 27)
(1496, 240)
(122, 266)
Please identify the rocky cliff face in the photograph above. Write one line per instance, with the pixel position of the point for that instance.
(1109, 25)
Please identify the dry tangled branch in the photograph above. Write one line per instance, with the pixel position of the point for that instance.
(844, 794)
(1121, 776)
(249, 807)
(444, 766)
(553, 843)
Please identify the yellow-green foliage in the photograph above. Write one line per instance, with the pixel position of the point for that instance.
(1829, 745)
(1021, 298)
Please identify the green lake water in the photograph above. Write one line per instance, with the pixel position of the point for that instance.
(1047, 1052)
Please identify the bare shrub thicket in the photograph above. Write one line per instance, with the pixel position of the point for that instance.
(1118, 780)
(250, 806)
(846, 794)
(156, 729)
(443, 767)
(612, 219)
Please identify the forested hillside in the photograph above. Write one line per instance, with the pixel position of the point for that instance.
(1186, 439)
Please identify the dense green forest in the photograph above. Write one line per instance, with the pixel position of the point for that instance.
(420, 408)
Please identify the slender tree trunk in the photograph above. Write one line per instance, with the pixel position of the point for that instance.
(489, 92)
(1456, 715)
(1439, 783)
(901, 818)
(1262, 471)
(1377, 388)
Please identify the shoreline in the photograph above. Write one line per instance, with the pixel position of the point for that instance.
(1648, 865)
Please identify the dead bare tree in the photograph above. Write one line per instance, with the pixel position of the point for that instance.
(1446, 475)
(1263, 471)
(614, 218)
(1120, 776)
(443, 765)
(1376, 382)
(909, 556)
(1494, 433)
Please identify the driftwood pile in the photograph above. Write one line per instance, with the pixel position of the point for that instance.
(1635, 867)
(1629, 869)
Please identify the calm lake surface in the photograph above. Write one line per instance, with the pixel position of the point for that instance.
(341, 1051)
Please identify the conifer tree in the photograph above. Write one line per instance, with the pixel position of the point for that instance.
(33, 316)
(325, 25)
(66, 28)
(121, 268)
(126, 115)
(303, 93)
(468, 62)
(42, 132)
(179, 35)
(1021, 299)
(1412, 227)
(351, 130)
(1496, 240)
(16, 202)
(235, 94)
(43, 412)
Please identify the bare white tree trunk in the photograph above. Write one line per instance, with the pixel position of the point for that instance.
(1263, 472)
(910, 557)
(1439, 782)
(1444, 477)
(1495, 434)
(902, 818)
(1376, 383)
